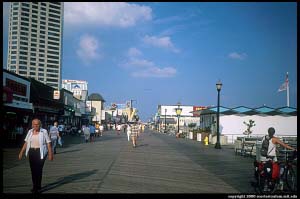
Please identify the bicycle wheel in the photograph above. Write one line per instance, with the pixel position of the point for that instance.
(266, 185)
(291, 179)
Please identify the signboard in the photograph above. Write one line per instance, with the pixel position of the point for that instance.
(16, 87)
(56, 94)
(113, 105)
(198, 108)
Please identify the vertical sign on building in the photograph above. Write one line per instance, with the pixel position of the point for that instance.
(56, 94)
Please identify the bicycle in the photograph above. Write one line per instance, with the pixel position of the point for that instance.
(272, 177)
(289, 173)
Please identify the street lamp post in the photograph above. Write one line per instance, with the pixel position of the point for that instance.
(165, 120)
(178, 112)
(219, 86)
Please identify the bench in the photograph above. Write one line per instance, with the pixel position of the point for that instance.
(248, 147)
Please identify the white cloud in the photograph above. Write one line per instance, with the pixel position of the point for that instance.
(155, 72)
(117, 14)
(235, 55)
(145, 68)
(88, 48)
(134, 52)
(161, 42)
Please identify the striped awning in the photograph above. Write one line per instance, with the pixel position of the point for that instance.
(242, 110)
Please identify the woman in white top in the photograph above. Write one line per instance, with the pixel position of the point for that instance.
(272, 145)
(37, 145)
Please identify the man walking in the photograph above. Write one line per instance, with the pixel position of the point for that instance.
(54, 134)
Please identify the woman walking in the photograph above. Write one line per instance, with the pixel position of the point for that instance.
(37, 145)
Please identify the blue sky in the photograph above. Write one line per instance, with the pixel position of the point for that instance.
(162, 53)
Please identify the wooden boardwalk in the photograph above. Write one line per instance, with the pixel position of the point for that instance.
(159, 164)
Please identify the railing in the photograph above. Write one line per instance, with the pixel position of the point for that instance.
(232, 137)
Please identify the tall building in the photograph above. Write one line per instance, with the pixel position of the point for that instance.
(35, 41)
(79, 88)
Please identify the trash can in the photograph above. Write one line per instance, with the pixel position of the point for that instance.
(199, 137)
(191, 135)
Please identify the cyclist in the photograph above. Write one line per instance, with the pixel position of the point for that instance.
(272, 146)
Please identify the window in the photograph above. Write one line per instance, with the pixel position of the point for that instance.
(53, 48)
(53, 62)
(23, 72)
(53, 57)
(53, 34)
(34, 21)
(32, 54)
(23, 43)
(13, 62)
(53, 43)
(54, 39)
(35, 11)
(23, 62)
(24, 14)
(14, 42)
(32, 68)
(24, 28)
(23, 57)
(54, 6)
(54, 11)
(13, 57)
(24, 33)
(41, 60)
(25, 9)
(42, 46)
(25, 19)
(41, 69)
(33, 40)
(24, 38)
(32, 59)
(32, 73)
(25, 4)
(33, 45)
(53, 29)
(53, 52)
(24, 24)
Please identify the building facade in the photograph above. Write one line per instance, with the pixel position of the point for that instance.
(35, 41)
(79, 88)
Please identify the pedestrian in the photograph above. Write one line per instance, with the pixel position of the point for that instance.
(54, 135)
(92, 133)
(273, 142)
(119, 129)
(128, 131)
(37, 145)
(134, 133)
(86, 132)
(101, 128)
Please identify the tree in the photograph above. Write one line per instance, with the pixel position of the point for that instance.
(249, 125)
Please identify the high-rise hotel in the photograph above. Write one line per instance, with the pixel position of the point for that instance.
(35, 41)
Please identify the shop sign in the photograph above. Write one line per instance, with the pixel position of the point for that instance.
(56, 94)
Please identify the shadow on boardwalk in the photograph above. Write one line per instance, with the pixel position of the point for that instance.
(68, 179)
